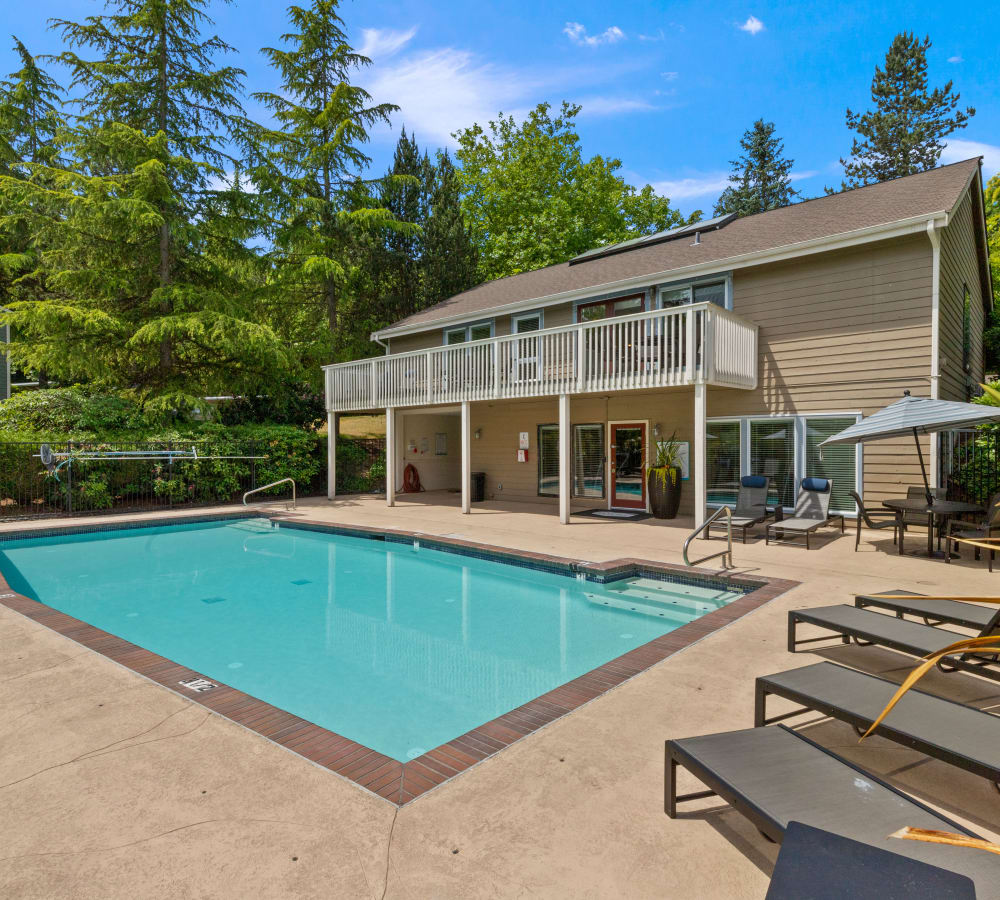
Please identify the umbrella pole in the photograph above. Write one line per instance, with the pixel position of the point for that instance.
(923, 470)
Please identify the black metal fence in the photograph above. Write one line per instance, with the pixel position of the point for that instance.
(90, 486)
(970, 466)
(360, 465)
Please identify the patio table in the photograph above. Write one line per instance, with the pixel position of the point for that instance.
(945, 509)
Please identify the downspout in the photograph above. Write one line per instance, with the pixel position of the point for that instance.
(935, 238)
(374, 337)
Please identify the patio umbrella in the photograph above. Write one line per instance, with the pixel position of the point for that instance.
(916, 416)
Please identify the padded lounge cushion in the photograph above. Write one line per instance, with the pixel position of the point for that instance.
(754, 481)
(816, 484)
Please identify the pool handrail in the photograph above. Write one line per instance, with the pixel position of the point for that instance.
(264, 487)
(702, 528)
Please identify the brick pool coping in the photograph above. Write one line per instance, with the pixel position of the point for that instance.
(395, 781)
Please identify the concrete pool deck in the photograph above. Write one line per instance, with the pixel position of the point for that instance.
(112, 786)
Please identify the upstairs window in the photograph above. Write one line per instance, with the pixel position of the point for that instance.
(462, 333)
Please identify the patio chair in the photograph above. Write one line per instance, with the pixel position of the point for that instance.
(774, 776)
(933, 610)
(866, 628)
(812, 511)
(876, 519)
(918, 492)
(986, 528)
(751, 506)
(959, 735)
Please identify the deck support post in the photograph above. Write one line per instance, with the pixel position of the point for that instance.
(331, 455)
(466, 457)
(565, 458)
(700, 424)
(390, 456)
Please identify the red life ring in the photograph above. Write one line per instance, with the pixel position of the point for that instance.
(411, 480)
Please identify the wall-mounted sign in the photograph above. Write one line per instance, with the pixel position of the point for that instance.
(523, 441)
(441, 443)
(522, 455)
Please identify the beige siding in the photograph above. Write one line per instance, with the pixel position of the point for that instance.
(419, 446)
(495, 453)
(960, 270)
(841, 332)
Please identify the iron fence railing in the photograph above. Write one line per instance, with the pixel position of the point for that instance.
(92, 486)
(970, 465)
(360, 465)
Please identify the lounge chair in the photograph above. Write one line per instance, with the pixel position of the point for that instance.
(774, 776)
(751, 506)
(933, 610)
(986, 528)
(865, 627)
(959, 735)
(877, 519)
(812, 511)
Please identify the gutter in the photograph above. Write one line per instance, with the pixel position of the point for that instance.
(899, 228)
(935, 238)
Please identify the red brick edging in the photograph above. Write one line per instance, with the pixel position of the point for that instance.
(395, 781)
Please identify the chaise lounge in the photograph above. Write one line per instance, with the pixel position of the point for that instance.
(812, 511)
(933, 610)
(774, 776)
(865, 627)
(751, 506)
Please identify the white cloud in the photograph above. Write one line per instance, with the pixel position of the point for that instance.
(670, 76)
(609, 106)
(660, 35)
(959, 150)
(955, 59)
(700, 185)
(381, 43)
(578, 35)
(752, 25)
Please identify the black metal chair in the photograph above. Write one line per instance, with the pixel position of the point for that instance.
(877, 519)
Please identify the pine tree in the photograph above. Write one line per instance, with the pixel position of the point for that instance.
(761, 176)
(449, 256)
(137, 296)
(904, 133)
(321, 212)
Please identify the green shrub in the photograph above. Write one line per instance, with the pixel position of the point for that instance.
(62, 412)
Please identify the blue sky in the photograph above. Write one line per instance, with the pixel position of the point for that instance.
(668, 88)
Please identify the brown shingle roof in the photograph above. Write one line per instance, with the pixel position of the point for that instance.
(878, 204)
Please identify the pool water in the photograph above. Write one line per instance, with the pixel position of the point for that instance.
(398, 647)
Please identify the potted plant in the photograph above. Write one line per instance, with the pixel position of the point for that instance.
(663, 480)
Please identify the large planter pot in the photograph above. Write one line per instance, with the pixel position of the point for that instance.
(664, 492)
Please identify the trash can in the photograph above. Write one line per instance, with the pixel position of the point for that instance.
(478, 487)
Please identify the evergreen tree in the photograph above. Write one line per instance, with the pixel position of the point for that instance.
(449, 256)
(322, 214)
(760, 179)
(904, 133)
(133, 232)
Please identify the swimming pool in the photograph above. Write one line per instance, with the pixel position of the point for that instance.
(393, 645)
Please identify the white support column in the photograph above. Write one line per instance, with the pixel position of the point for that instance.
(331, 455)
(466, 457)
(565, 458)
(390, 456)
(700, 416)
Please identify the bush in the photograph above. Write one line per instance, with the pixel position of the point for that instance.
(70, 411)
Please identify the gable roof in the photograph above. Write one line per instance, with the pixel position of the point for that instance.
(906, 200)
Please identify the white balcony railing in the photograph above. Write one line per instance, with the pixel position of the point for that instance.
(701, 343)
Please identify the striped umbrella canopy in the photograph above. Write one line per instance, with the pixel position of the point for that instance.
(916, 416)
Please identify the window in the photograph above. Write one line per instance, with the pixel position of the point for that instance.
(772, 453)
(548, 460)
(723, 461)
(605, 309)
(525, 323)
(837, 462)
(587, 464)
(786, 450)
(717, 292)
(588, 460)
(462, 333)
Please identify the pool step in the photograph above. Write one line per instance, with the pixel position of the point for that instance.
(676, 614)
(666, 591)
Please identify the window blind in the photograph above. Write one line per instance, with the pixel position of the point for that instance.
(588, 460)
(772, 453)
(548, 460)
(838, 462)
(722, 448)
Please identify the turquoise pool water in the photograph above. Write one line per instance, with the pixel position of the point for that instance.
(396, 647)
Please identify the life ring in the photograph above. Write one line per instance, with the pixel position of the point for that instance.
(411, 480)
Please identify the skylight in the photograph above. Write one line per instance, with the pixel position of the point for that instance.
(658, 238)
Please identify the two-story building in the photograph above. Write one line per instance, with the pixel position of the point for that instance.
(750, 339)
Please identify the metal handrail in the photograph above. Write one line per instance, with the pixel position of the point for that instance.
(729, 532)
(271, 485)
